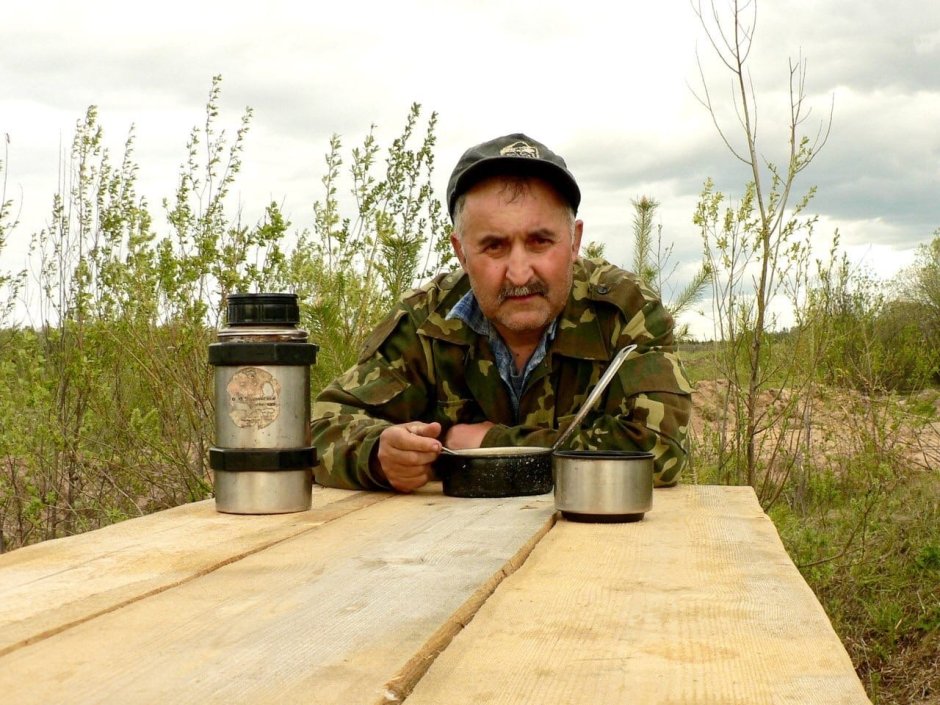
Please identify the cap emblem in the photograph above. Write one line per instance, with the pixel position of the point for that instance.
(519, 149)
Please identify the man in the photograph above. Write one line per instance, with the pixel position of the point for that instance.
(504, 351)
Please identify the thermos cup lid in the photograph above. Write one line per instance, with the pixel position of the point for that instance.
(262, 309)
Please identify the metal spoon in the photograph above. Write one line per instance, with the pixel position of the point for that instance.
(595, 394)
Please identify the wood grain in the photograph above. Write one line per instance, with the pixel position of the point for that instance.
(696, 604)
(52, 586)
(343, 614)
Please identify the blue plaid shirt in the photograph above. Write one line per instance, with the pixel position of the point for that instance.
(468, 311)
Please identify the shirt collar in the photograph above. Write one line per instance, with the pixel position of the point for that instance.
(467, 309)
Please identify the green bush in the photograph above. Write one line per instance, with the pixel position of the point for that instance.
(872, 342)
(107, 409)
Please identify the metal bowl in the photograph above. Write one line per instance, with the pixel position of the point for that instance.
(510, 471)
(603, 485)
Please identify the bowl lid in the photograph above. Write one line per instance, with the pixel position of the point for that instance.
(604, 454)
(500, 451)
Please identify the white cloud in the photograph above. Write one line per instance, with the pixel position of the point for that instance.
(606, 85)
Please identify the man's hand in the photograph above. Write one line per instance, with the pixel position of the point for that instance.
(467, 435)
(406, 452)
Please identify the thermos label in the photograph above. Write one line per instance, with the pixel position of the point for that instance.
(254, 398)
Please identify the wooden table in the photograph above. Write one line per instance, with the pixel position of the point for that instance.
(377, 598)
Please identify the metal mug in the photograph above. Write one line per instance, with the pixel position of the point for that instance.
(603, 485)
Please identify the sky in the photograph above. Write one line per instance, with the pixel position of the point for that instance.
(610, 86)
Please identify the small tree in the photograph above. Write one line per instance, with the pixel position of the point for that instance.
(10, 284)
(756, 250)
(652, 262)
(352, 268)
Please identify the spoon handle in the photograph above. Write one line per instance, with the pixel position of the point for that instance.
(595, 394)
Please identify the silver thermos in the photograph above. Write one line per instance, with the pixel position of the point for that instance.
(263, 458)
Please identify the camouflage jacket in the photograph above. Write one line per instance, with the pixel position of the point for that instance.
(417, 365)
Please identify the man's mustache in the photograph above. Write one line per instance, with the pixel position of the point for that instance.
(533, 288)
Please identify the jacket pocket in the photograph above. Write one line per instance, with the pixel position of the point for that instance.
(373, 382)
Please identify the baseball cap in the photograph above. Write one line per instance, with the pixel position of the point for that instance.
(511, 154)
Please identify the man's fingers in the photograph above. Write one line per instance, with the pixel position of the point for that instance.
(421, 440)
(410, 464)
(406, 452)
(426, 430)
(408, 484)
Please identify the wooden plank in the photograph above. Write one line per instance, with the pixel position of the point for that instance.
(54, 585)
(698, 603)
(344, 614)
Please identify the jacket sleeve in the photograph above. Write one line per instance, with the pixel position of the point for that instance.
(387, 386)
(647, 406)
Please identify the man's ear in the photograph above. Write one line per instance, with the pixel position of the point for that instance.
(458, 249)
(576, 238)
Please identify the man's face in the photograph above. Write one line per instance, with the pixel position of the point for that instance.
(518, 242)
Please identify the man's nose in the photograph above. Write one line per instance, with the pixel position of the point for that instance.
(519, 267)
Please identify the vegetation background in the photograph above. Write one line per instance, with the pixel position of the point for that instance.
(106, 402)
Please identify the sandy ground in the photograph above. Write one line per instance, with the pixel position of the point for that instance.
(839, 424)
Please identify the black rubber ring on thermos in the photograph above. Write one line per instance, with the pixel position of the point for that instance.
(232, 354)
(261, 459)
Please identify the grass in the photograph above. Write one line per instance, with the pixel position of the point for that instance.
(878, 578)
